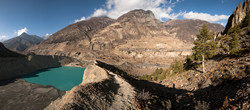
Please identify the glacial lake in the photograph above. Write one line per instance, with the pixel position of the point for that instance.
(63, 78)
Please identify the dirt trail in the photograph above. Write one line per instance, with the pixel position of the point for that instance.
(125, 95)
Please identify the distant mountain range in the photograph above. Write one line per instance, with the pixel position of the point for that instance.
(22, 42)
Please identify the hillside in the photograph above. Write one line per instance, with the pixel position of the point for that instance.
(22, 42)
(4, 52)
(188, 29)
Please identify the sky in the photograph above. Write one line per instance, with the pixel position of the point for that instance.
(45, 17)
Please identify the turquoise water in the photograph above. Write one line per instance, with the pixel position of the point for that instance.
(63, 78)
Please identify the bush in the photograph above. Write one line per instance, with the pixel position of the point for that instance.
(176, 67)
(188, 63)
(144, 95)
(160, 74)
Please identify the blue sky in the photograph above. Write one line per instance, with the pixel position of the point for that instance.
(41, 17)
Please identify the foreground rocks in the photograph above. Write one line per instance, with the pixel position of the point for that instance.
(100, 89)
(21, 95)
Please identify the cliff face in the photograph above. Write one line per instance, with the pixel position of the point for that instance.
(238, 15)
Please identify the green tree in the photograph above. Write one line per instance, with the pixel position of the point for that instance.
(205, 46)
(234, 44)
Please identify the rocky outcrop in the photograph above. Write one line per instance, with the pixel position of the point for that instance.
(22, 42)
(187, 30)
(238, 15)
(100, 89)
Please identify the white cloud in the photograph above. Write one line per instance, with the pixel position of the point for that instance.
(161, 8)
(205, 16)
(115, 8)
(99, 12)
(3, 38)
(82, 19)
(19, 32)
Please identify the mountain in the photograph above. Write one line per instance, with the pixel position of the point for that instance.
(238, 15)
(83, 30)
(4, 52)
(136, 37)
(188, 29)
(22, 42)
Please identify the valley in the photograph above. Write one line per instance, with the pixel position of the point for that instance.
(134, 61)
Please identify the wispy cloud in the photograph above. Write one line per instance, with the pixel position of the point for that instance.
(115, 8)
(19, 32)
(3, 38)
(205, 16)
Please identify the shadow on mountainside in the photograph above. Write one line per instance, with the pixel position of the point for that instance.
(229, 92)
(34, 74)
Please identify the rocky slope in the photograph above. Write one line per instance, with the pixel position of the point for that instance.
(238, 15)
(102, 89)
(17, 94)
(136, 37)
(188, 29)
(4, 52)
(83, 30)
(22, 42)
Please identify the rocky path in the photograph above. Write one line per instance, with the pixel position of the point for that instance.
(125, 95)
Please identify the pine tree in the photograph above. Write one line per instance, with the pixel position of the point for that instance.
(205, 46)
(234, 44)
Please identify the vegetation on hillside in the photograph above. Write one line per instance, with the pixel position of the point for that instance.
(160, 74)
(206, 47)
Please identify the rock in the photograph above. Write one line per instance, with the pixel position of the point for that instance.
(238, 15)
(93, 74)
(21, 95)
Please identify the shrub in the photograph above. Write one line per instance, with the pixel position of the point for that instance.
(176, 67)
(144, 95)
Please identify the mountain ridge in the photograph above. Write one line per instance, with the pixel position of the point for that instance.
(22, 42)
